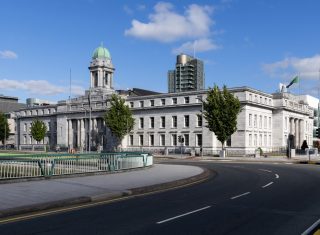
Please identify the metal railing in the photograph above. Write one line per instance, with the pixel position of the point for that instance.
(46, 165)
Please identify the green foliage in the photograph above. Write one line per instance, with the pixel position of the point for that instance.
(119, 118)
(4, 128)
(38, 130)
(221, 109)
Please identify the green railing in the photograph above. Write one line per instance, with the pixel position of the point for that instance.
(46, 165)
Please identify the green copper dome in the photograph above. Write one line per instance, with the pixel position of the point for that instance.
(101, 52)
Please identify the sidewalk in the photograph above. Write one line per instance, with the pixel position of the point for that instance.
(30, 196)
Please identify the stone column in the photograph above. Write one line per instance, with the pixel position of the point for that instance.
(296, 133)
(302, 132)
(70, 134)
(291, 126)
(91, 78)
(78, 133)
(82, 133)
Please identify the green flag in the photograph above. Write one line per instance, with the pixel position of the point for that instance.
(294, 80)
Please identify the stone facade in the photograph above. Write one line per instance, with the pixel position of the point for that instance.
(265, 121)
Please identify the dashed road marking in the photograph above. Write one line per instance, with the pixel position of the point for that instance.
(277, 176)
(179, 216)
(241, 195)
(264, 186)
(311, 228)
(265, 170)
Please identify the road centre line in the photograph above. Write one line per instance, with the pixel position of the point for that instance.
(188, 213)
(265, 170)
(240, 195)
(277, 176)
(264, 186)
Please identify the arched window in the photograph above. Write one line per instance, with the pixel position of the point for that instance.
(95, 79)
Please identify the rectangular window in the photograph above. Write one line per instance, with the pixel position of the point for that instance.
(186, 100)
(255, 141)
(141, 140)
(186, 120)
(130, 140)
(199, 121)
(255, 120)
(163, 102)
(49, 124)
(260, 121)
(250, 120)
(162, 140)
(270, 126)
(174, 100)
(265, 122)
(141, 123)
(174, 139)
(250, 139)
(151, 103)
(174, 121)
(151, 140)
(265, 140)
(25, 127)
(250, 97)
(270, 144)
(260, 140)
(265, 100)
(131, 104)
(199, 140)
(141, 104)
(24, 139)
(162, 122)
(151, 122)
(186, 140)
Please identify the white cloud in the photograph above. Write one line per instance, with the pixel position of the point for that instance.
(200, 45)
(77, 90)
(127, 9)
(166, 25)
(38, 87)
(141, 7)
(307, 67)
(6, 54)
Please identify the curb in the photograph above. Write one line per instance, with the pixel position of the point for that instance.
(25, 210)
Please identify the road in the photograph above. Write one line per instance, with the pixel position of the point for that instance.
(243, 198)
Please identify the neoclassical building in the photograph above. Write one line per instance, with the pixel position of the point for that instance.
(266, 120)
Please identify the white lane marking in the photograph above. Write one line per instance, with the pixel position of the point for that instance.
(240, 195)
(276, 163)
(264, 186)
(288, 163)
(277, 176)
(311, 228)
(188, 213)
(265, 170)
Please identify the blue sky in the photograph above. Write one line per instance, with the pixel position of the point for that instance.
(257, 43)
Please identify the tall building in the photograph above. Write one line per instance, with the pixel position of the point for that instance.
(188, 75)
(266, 120)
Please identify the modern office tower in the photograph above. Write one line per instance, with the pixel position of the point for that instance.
(188, 75)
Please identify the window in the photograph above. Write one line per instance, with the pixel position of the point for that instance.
(25, 127)
(130, 140)
(131, 104)
(265, 122)
(260, 121)
(265, 100)
(199, 140)
(229, 141)
(265, 140)
(260, 140)
(270, 144)
(270, 127)
(174, 139)
(24, 139)
(37, 112)
(186, 100)
(255, 140)
(250, 139)
(162, 122)
(261, 99)
(162, 140)
(151, 103)
(49, 111)
(140, 140)
(186, 140)
(174, 100)
(151, 122)
(151, 140)
(30, 139)
(49, 124)
(141, 104)
(255, 120)
(186, 120)
(250, 120)
(174, 121)
(163, 102)
(256, 98)
(250, 97)
(141, 123)
(285, 123)
(199, 121)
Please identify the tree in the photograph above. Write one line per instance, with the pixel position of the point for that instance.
(38, 130)
(4, 128)
(221, 109)
(119, 118)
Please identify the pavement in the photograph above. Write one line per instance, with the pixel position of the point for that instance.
(29, 196)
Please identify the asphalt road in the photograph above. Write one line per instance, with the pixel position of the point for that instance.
(243, 198)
